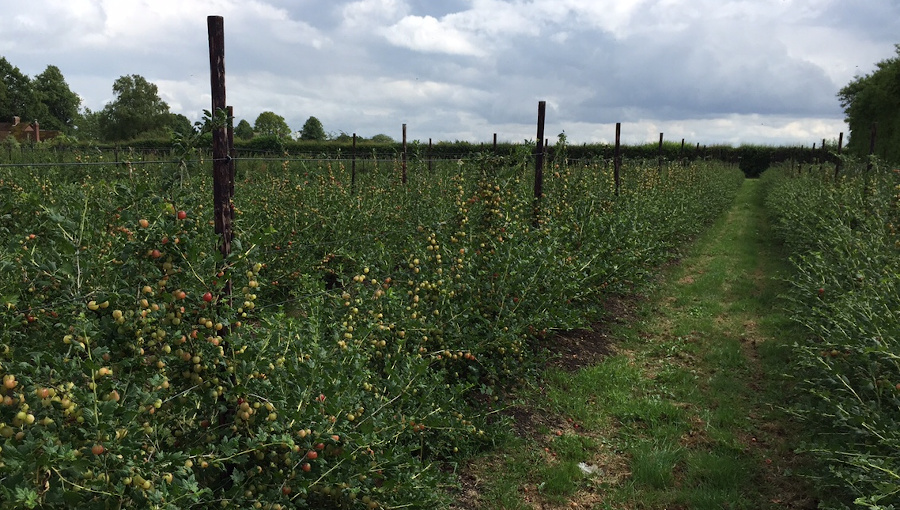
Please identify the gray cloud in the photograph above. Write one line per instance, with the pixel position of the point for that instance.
(722, 71)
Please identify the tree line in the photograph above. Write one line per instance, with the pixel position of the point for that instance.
(138, 113)
(874, 100)
(135, 113)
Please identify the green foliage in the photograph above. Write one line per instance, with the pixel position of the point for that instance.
(365, 325)
(243, 130)
(870, 99)
(10, 144)
(343, 138)
(845, 248)
(87, 126)
(268, 124)
(313, 130)
(136, 110)
(62, 104)
(18, 96)
(178, 123)
(382, 138)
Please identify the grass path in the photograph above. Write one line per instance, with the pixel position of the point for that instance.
(684, 414)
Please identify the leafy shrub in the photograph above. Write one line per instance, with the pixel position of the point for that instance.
(370, 329)
(845, 291)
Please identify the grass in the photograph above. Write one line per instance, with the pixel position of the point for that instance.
(685, 414)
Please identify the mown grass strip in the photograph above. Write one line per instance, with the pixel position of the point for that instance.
(685, 414)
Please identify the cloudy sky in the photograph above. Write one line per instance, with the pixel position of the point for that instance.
(710, 71)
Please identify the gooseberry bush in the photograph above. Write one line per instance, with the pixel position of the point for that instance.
(370, 330)
(842, 236)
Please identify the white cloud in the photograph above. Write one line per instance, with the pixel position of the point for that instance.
(365, 14)
(467, 68)
(427, 34)
(613, 16)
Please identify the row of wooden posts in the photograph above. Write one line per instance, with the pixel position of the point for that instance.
(224, 154)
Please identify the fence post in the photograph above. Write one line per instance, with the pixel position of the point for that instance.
(837, 164)
(430, 157)
(539, 154)
(617, 158)
(872, 136)
(353, 165)
(222, 206)
(539, 162)
(659, 154)
(232, 155)
(403, 178)
(495, 143)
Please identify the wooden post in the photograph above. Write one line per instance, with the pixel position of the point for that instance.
(617, 158)
(872, 136)
(539, 155)
(539, 163)
(837, 164)
(221, 161)
(822, 157)
(353, 164)
(681, 154)
(232, 154)
(659, 154)
(495, 143)
(403, 178)
(430, 156)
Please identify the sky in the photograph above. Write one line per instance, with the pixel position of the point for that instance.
(709, 71)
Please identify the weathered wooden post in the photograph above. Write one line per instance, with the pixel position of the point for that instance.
(232, 155)
(617, 158)
(403, 164)
(659, 154)
(823, 156)
(837, 164)
(539, 162)
(353, 165)
(222, 205)
(539, 152)
(873, 133)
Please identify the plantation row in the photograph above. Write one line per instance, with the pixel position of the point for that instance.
(843, 239)
(752, 159)
(370, 331)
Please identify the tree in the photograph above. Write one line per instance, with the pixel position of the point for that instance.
(136, 110)
(313, 130)
(270, 124)
(875, 98)
(17, 96)
(243, 130)
(87, 127)
(178, 123)
(381, 138)
(344, 138)
(62, 104)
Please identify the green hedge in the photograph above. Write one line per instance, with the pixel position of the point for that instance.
(752, 159)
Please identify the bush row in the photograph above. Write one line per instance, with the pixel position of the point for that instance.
(842, 237)
(371, 327)
(752, 159)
